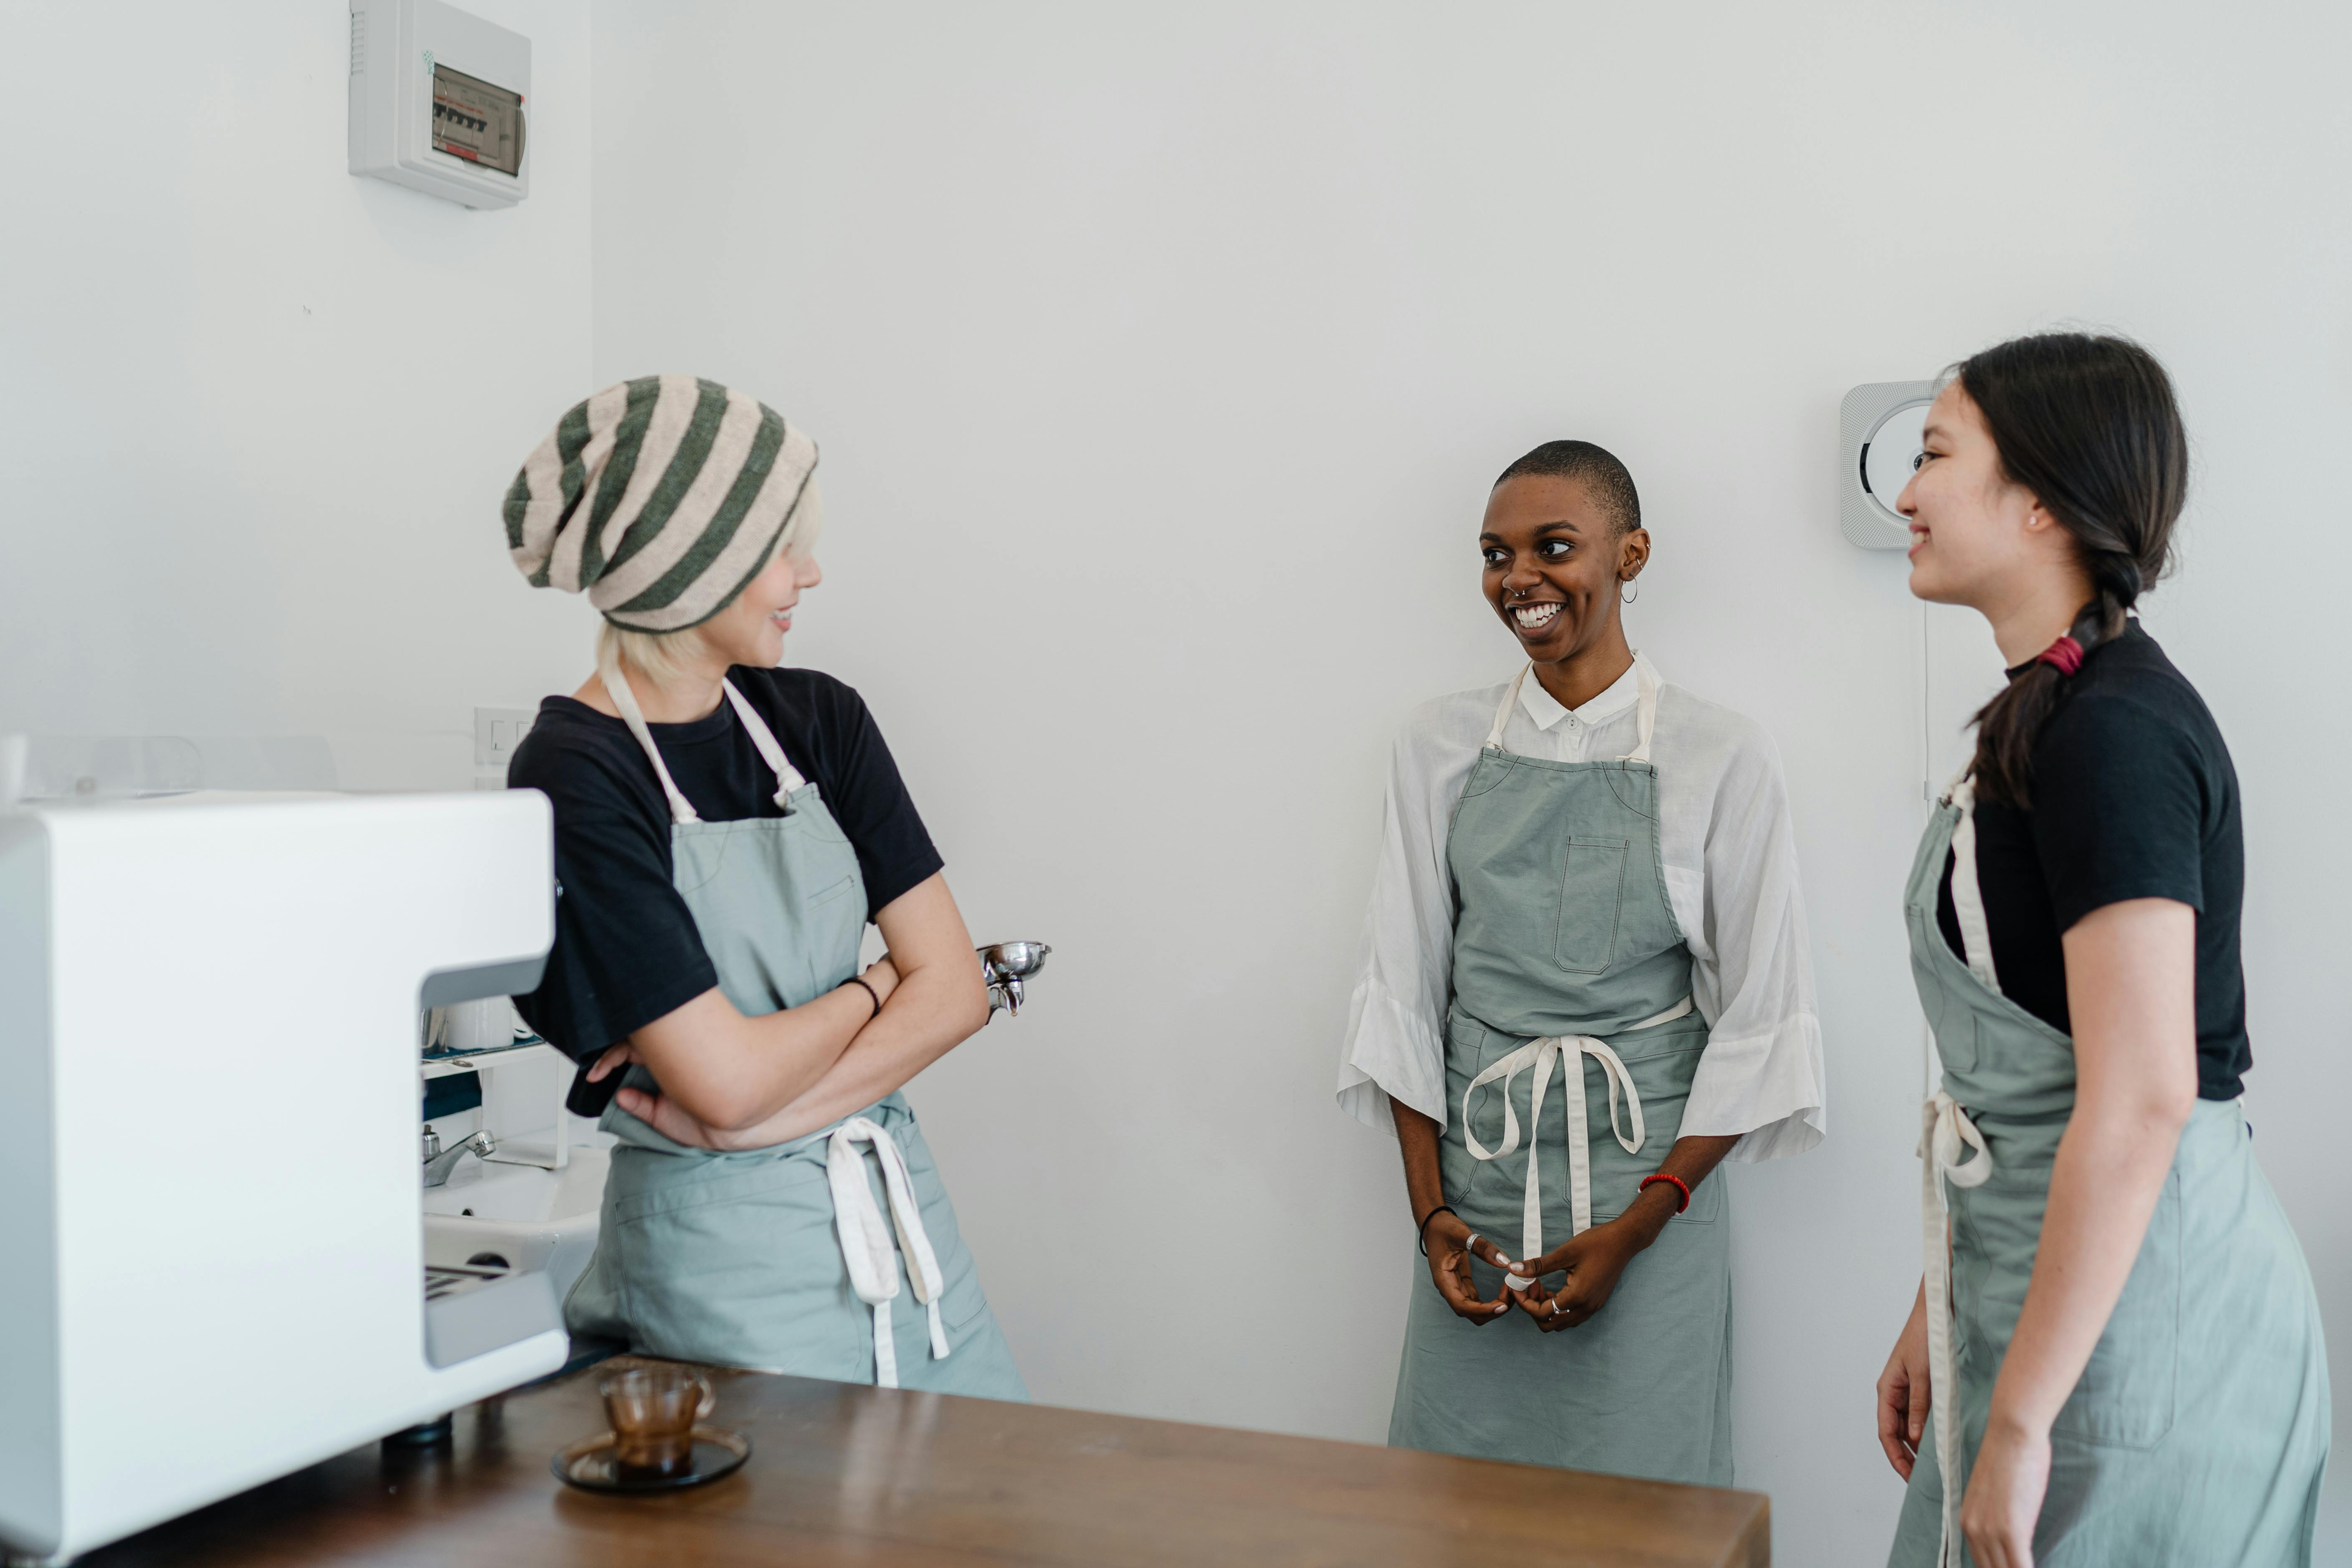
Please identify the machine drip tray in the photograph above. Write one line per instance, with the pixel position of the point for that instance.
(442, 1279)
(471, 1309)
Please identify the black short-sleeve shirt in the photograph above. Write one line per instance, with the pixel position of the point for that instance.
(2134, 798)
(626, 950)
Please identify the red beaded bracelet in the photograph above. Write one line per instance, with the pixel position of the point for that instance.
(1680, 1185)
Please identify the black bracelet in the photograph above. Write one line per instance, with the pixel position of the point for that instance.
(861, 984)
(1441, 1208)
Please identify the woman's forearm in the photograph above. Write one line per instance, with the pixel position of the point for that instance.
(1417, 1137)
(2131, 991)
(2110, 1170)
(736, 1083)
(930, 1012)
(731, 1071)
(1692, 1159)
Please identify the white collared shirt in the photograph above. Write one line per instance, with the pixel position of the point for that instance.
(1730, 860)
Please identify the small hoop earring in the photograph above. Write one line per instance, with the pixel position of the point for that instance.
(1630, 593)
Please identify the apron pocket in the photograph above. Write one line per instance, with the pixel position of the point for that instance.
(1469, 1184)
(1956, 1037)
(960, 1297)
(837, 890)
(2127, 1396)
(739, 1267)
(1706, 1202)
(963, 1302)
(1592, 889)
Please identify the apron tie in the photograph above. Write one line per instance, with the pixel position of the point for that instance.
(1945, 1133)
(866, 1241)
(1541, 1054)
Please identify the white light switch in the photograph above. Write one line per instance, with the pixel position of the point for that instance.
(496, 733)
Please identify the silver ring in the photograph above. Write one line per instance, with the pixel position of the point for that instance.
(1471, 1246)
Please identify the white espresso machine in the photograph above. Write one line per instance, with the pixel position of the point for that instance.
(212, 1263)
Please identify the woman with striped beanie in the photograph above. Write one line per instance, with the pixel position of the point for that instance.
(724, 831)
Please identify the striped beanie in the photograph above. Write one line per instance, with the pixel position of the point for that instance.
(661, 497)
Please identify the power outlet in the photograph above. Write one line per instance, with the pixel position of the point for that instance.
(496, 733)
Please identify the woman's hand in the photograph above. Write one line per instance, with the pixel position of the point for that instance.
(667, 1117)
(616, 1057)
(1450, 1249)
(1595, 1260)
(1904, 1394)
(2004, 1495)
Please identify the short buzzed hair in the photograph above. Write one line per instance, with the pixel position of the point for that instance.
(1604, 478)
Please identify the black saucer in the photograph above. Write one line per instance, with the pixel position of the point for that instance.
(588, 1464)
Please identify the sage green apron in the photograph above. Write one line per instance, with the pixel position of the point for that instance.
(1567, 958)
(2199, 1431)
(780, 1258)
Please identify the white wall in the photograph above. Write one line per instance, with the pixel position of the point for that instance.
(1161, 358)
(259, 415)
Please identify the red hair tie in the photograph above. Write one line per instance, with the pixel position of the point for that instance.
(2066, 653)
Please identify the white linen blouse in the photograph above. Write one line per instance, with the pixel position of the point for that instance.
(1730, 862)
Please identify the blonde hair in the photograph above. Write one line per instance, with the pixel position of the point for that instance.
(662, 655)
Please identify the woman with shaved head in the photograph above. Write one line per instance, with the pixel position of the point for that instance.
(1585, 984)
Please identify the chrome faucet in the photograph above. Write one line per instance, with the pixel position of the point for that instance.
(438, 1162)
(1006, 964)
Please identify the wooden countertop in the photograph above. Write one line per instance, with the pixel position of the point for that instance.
(844, 1474)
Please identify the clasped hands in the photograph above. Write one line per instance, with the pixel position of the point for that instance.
(1592, 1261)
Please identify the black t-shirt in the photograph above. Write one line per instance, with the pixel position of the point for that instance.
(626, 950)
(2134, 798)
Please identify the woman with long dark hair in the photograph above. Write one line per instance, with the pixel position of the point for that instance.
(2115, 1355)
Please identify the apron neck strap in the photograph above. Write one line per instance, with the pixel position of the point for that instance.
(1645, 678)
(788, 778)
(763, 740)
(1503, 712)
(616, 686)
(1967, 894)
(1646, 681)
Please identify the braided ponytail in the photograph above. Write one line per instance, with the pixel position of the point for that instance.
(2088, 424)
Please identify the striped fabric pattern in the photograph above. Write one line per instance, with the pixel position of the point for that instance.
(660, 498)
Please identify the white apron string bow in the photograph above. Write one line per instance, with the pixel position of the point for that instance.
(763, 740)
(865, 1238)
(1541, 1054)
(1946, 1134)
